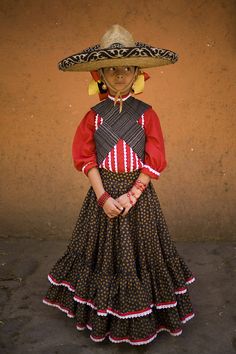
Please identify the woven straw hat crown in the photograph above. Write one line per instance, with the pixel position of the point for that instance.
(117, 34)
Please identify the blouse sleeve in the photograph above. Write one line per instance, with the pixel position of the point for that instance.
(155, 160)
(83, 145)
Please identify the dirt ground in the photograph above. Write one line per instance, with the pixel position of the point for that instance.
(29, 326)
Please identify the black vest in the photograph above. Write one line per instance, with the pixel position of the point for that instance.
(120, 125)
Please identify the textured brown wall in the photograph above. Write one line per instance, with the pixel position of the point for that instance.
(41, 191)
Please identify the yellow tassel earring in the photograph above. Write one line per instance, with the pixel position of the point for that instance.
(138, 85)
(93, 88)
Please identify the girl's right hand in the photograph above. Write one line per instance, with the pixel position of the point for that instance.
(112, 208)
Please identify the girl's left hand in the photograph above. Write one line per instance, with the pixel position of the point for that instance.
(125, 202)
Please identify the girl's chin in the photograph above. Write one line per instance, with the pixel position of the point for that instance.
(120, 87)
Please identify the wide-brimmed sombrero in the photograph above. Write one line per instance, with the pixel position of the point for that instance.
(118, 48)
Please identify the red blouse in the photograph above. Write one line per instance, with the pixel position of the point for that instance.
(121, 158)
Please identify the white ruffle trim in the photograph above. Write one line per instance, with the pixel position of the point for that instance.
(105, 312)
(164, 306)
(141, 342)
(140, 314)
(60, 284)
(181, 291)
(59, 307)
(187, 318)
(191, 280)
(144, 313)
(82, 327)
(73, 290)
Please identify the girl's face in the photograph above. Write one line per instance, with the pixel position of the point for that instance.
(121, 78)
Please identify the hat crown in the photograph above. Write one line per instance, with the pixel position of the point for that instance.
(117, 34)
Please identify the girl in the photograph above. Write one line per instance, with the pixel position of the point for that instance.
(121, 276)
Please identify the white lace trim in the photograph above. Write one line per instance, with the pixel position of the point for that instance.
(109, 161)
(125, 157)
(131, 159)
(152, 170)
(115, 157)
(96, 121)
(142, 120)
(85, 166)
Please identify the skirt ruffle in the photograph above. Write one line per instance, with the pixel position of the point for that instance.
(122, 278)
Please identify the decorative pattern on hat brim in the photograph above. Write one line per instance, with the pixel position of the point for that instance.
(94, 58)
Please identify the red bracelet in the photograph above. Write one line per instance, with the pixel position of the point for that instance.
(101, 201)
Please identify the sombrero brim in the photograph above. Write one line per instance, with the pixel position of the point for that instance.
(143, 56)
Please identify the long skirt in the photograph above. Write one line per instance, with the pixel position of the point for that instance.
(122, 278)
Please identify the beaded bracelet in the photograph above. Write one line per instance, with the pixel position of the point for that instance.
(101, 201)
(140, 185)
(132, 193)
(131, 202)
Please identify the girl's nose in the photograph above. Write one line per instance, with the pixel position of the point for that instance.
(119, 73)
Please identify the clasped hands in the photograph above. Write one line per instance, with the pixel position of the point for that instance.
(121, 205)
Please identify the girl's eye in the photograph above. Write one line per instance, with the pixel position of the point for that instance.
(127, 68)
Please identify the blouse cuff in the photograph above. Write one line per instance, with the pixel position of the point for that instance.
(88, 167)
(148, 170)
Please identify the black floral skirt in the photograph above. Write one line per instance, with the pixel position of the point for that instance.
(122, 278)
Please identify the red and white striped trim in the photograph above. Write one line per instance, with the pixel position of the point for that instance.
(59, 306)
